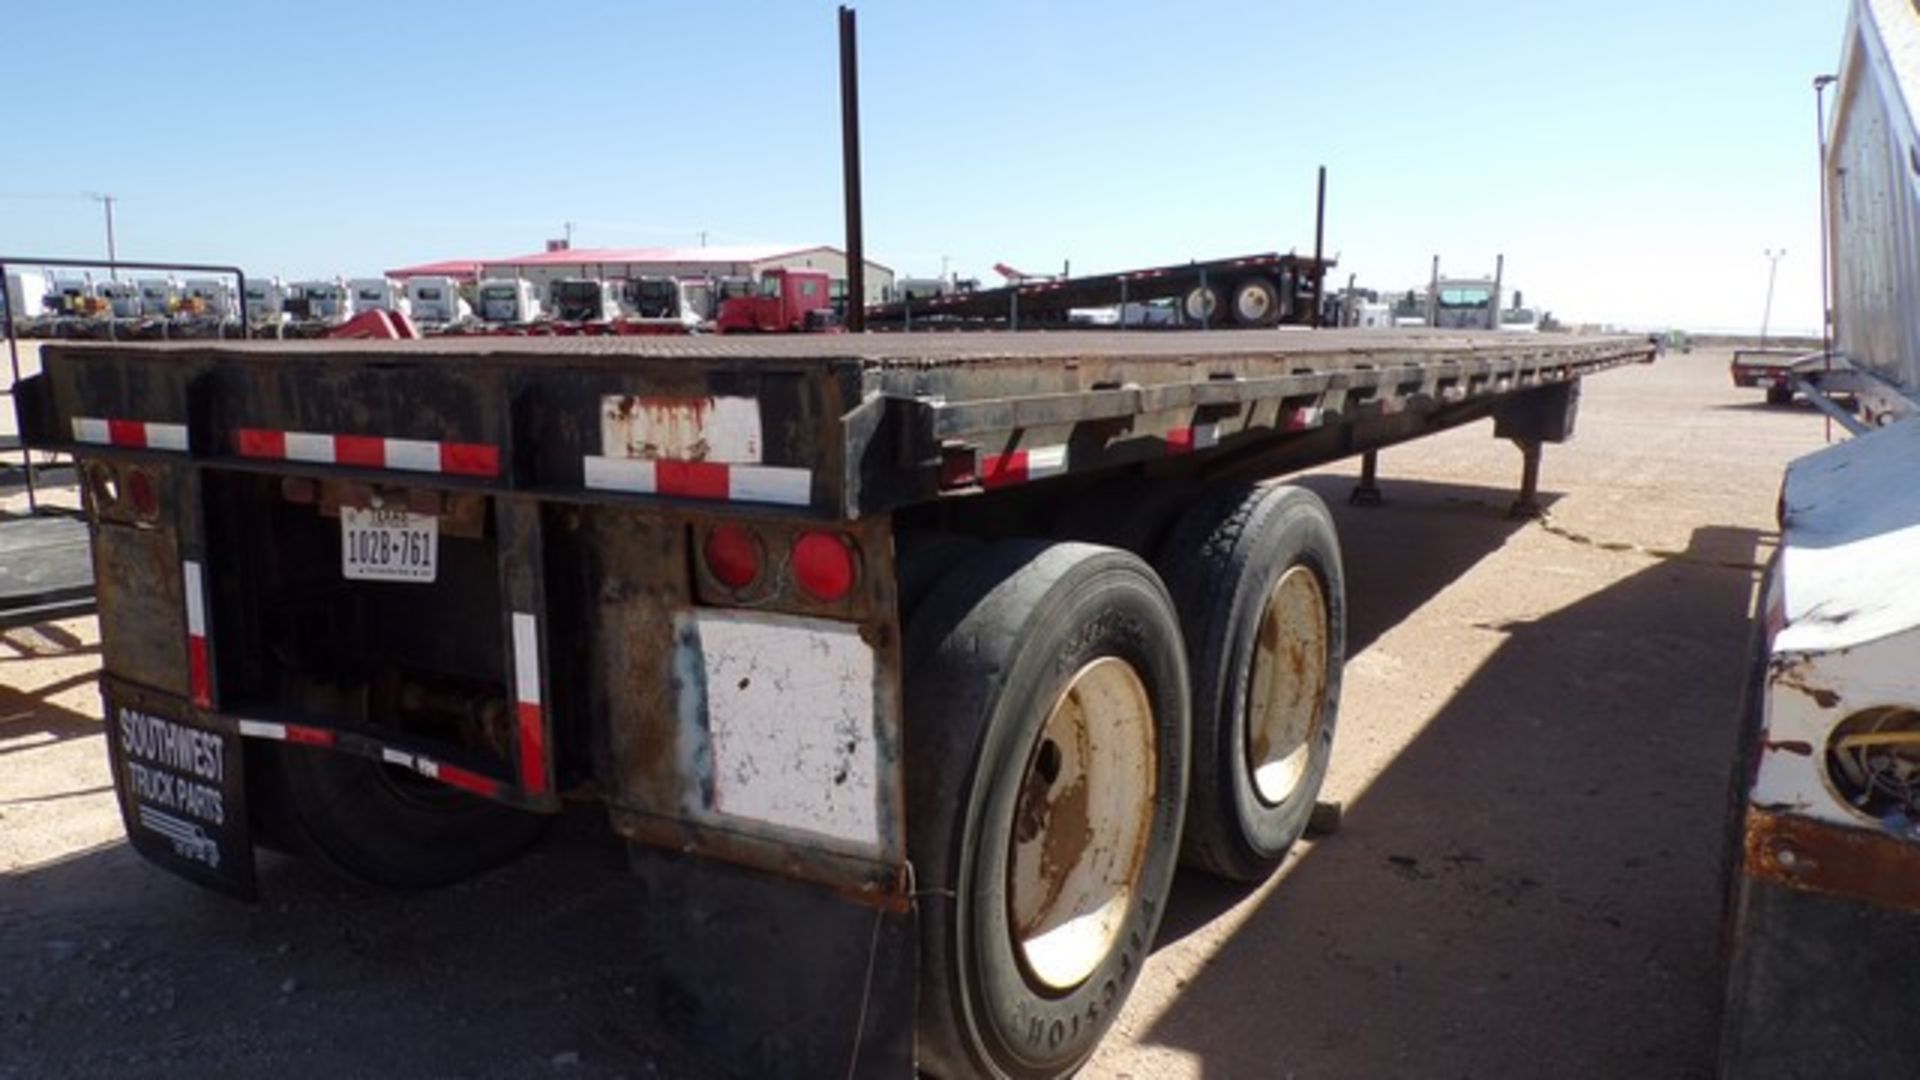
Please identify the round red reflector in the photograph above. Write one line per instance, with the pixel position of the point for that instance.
(140, 491)
(823, 565)
(733, 556)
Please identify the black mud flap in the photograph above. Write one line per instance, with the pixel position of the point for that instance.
(759, 976)
(182, 793)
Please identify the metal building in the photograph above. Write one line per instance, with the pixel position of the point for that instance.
(543, 267)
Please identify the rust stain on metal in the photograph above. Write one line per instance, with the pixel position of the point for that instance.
(669, 428)
(1816, 856)
(1061, 820)
(1789, 673)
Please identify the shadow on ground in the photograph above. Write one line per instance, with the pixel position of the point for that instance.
(1549, 842)
(1530, 888)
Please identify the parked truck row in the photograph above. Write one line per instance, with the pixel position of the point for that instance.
(165, 307)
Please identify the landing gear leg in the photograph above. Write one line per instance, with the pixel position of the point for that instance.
(1367, 491)
(1527, 503)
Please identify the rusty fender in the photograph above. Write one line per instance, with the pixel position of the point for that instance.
(1815, 856)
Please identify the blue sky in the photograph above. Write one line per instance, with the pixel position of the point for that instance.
(1631, 159)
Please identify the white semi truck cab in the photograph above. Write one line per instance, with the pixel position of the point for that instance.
(321, 300)
(586, 300)
(508, 300)
(266, 301)
(437, 301)
(216, 297)
(123, 299)
(378, 294)
(158, 296)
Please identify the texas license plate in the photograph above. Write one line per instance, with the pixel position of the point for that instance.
(388, 545)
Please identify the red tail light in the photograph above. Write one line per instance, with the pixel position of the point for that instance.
(733, 556)
(823, 565)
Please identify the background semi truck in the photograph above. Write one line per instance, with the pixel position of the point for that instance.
(908, 665)
(1824, 859)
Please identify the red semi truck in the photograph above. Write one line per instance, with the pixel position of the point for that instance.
(788, 300)
(908, 665)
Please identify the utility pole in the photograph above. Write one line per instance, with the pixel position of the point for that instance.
(1773, 270)
(566, 227)
(112, 256)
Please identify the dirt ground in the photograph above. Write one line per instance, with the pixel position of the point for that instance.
(1533, 752)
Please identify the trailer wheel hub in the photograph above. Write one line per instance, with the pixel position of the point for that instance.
(1080, 825)
(1286, 688)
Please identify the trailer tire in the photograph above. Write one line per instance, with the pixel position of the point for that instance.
(1019, 817)
(1256, 302)
(1257, 578)
(1201, 304)
(1779, 395)
(389, 827)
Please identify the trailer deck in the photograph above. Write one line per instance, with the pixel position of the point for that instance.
(844, 424)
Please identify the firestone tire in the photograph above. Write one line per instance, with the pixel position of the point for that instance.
(387, 827)
(1256, 576)
(1010, 805)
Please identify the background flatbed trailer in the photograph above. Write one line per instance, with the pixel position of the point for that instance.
(807, 614)
(1268, 289)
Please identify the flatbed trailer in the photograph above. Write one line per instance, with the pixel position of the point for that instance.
(908, 665)
(1773, 370)
(1263, 290)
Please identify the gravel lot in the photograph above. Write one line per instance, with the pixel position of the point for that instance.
(1534, 746)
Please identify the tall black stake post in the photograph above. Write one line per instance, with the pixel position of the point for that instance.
(1319, 238)
(850, 167)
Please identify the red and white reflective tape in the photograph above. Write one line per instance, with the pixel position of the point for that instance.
(132, 434)
(370, 452)
(1020, 466)
(1301, 417)
(293, 733)
(526, 690)
(199, 674)
(305, 735)
(1188, 439)
(714, 480)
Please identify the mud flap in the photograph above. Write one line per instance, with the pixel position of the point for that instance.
(761, 976)
(182, 793)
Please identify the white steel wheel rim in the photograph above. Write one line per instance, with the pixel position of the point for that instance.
(1253, 303)
(1080, 824)
(1287, 687)
(1200, 303)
